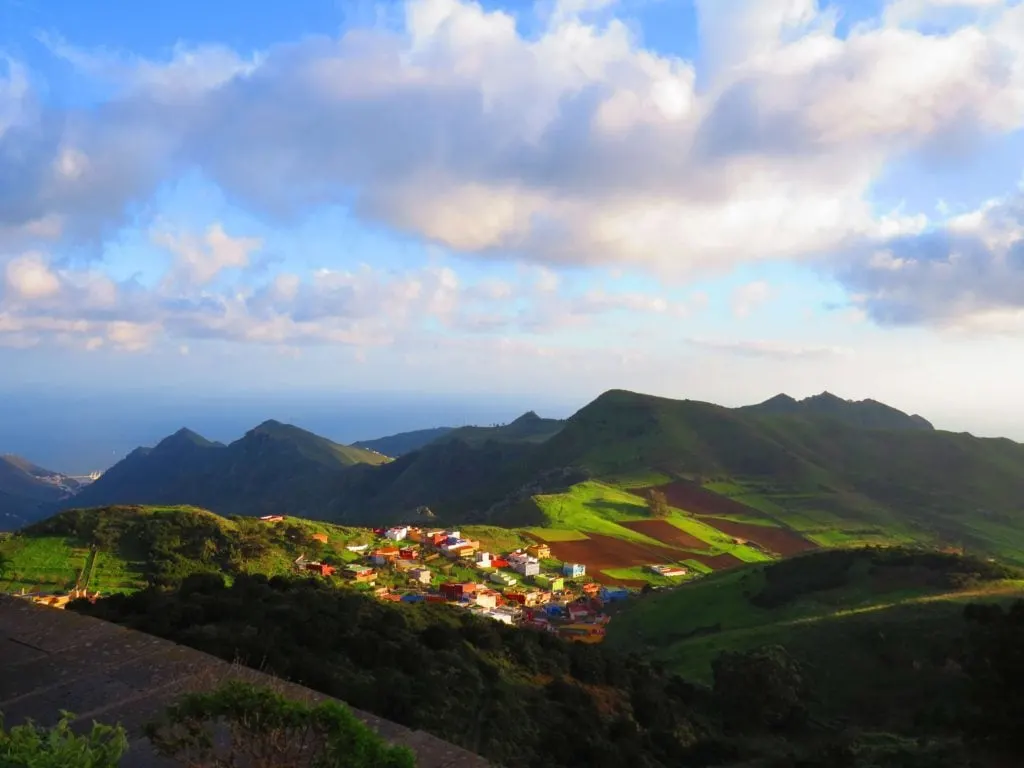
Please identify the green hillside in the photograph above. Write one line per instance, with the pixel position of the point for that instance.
(123, 549)
(404, 442)
(528, 428)
(841, 484)
(814, 595)
(820, 473)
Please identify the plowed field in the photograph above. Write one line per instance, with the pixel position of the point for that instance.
(781, 541)
(666, 533)
(692, 498)
(600, 553)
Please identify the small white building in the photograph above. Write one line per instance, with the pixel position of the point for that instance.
(397, 534)
(524, 564)
(483, 559)
(421, 575)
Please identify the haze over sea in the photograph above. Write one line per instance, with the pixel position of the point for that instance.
(78, 433)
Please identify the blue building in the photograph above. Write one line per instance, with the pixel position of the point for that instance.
(572, 570)
(614, 594)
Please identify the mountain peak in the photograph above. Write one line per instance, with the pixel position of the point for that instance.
(184, 437)
(866, 414)
(526, 417)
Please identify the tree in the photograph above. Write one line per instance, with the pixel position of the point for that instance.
(760, 689)
(657, 503)
(5, 564)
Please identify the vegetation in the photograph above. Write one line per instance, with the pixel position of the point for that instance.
(32, 746)
(817, 594)
(513, 695)
(404, 442)
(266, 729)
(122, 549)
(838, 473)
(657, 503)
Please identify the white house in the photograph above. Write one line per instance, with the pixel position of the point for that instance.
(397, 534)
(483, 559)
(524, 564)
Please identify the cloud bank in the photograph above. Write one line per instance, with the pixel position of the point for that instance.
(575, 147)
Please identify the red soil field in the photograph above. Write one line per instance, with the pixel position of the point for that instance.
(781, 541)
(600, 552)
(692, 498)
(666, 533)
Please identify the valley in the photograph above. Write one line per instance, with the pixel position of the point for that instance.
(644, 550)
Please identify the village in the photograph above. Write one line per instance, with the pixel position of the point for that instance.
(524, 587)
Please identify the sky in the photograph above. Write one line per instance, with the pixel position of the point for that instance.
(516, 202)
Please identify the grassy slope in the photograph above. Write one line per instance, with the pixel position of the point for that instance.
(838, 484)
(42, 561)
(687, 627)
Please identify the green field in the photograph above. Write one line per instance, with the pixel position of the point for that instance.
(687, 627)
(46, 563)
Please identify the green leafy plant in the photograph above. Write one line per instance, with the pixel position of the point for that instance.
(242, 724)
(33, 746)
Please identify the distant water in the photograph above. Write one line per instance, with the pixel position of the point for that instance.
(80, 433)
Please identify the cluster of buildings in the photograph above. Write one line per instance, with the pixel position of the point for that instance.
(511, 588)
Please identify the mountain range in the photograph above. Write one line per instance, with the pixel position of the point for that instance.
(25, 488)
(821, 459)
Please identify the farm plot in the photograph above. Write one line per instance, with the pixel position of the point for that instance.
(693, 498)
(781, 541)
(604, 553)
(667, 533)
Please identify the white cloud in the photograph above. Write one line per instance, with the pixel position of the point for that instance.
(29, 277)
(748, 298)
(363, 307)
(197, 261)
(912, 11)
(764, 348)
(577, 146)
(965, 274)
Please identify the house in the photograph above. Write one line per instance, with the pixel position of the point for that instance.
(421, 575)
(357, 547)
(524, 564)
(321, 537)
(591, 589)
(384, 555)
(413, 598)
(321, 569)
(483, 559)
(272, 518)
(499, 562)
(540, 551)
(572, 570)
(668, 570)
(453, 591)
(505, 579)
(396, 534)
(614, 594)
(577, 611)
(359, 573)
(554, 583)
(499, 615)
(487, 598)
(407, 553)
(405, 565)
(526, 599)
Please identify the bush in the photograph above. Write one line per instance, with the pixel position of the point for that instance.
(31, 746)
(267, 730)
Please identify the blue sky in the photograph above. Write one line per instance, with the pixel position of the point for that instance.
(718, 199)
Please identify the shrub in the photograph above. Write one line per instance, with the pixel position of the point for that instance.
(266, 730)
(32, 746)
